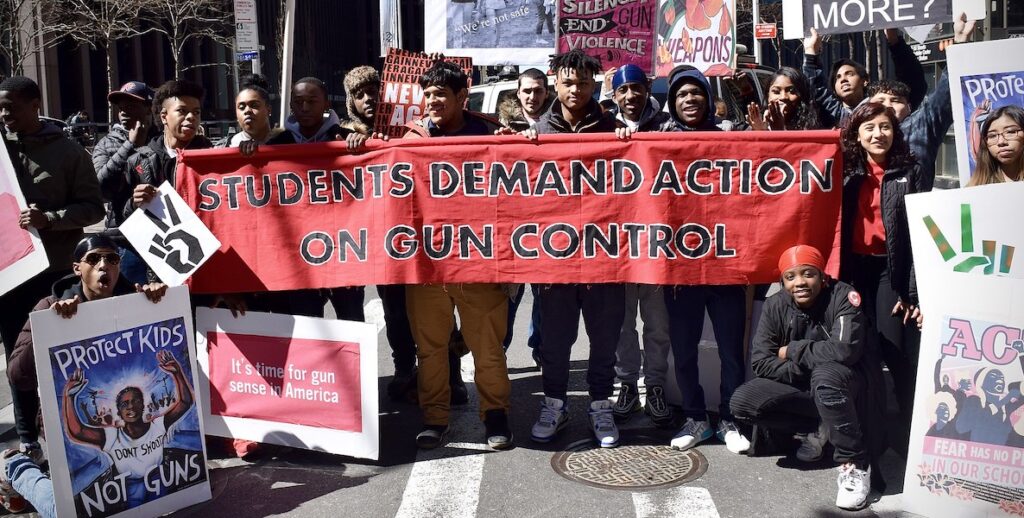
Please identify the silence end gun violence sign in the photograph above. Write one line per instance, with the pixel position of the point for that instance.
(847, 16)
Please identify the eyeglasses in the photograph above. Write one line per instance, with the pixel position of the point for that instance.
(94, 258)
(1008, 135)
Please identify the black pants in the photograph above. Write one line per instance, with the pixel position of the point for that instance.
(543, 17)
(348, 302)
(15, 306)
(396, 320)
(830, 396)
(898, 343)
(604, 308)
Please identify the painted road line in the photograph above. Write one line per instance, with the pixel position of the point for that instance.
(692, 502)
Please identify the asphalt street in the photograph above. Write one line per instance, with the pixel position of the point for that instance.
(465, 478)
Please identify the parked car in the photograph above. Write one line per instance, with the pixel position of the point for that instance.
(750, 84)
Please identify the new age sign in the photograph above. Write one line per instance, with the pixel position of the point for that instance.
(710, 208)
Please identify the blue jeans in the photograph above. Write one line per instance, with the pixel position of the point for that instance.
(132, 266)
(726, 305)
(534, 339)
(32, 484)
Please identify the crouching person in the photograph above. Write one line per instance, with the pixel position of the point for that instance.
(815, 372)
(97, 275)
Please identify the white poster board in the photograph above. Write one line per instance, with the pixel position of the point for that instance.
(22, 255)
(294, 381)
(169, 236)
(981, 80)
(127, 368)
(495, 33)
(966, 453)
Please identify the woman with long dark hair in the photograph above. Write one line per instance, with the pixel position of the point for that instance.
(789, 105)
(1000, 154)
(878, 171)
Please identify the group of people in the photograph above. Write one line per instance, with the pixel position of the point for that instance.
(817, 350)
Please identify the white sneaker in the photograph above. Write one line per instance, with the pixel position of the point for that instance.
(811, 445)
(854, 487)
(602, 421)
(692, 433)
(731, 436)
(553, 417)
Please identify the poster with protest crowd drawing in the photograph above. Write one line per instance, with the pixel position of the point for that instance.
(701, 34)
(966, 453)
(985, 86)
(117, 382)
(492, 32)
(617, 33)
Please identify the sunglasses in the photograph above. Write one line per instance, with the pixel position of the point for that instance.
(94, 258)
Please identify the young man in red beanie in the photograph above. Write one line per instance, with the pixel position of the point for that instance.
(816, 371)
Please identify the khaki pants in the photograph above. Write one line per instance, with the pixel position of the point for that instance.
(483, 309)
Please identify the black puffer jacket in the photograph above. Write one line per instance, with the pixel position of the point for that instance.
(152, 165)
(110, 158)
(896, 184)
(596, 121)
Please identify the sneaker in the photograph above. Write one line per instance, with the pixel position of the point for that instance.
(499, 435)
(33, 451)
(628, 401)
(602, 421)
(432, 436)
(692, 433)
(553, 417)
(656, 408)
(854, 486)
(730, 434)
(811, 445)
(401, 383)
(9, 498)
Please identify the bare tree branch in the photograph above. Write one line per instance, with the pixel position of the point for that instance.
(182, 21)
(28, 27)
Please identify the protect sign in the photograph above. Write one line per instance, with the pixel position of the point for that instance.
(662, 208)
(845, 16)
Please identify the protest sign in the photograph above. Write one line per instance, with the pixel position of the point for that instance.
(491, 32)
(123, 432)
(765, 31)
(169, 237)
(663, 208)
(617, 33)
(846, 16)
(981, 81)
(697, 33)
(966, 455)
(401, 96)
(22, 255)
(294, 381)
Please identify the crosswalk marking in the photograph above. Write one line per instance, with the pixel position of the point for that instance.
(447, 487)
(692, 502)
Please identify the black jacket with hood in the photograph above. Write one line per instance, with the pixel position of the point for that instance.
(596, 121)
(897, 182)
(679, 75)
(652, 118)
(152, 165)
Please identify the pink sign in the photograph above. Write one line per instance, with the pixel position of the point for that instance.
(15, 243)
(617, 33)
(302, 381)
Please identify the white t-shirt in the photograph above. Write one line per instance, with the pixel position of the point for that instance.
(136, 456)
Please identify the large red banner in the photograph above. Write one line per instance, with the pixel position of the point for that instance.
(663, 208)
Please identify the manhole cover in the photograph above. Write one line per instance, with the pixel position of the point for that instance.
(630, 466)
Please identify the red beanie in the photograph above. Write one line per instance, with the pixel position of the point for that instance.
(801, 254)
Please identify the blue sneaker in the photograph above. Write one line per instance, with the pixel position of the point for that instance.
(553, 417)
(691, 434)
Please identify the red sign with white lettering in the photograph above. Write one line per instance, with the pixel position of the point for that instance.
(765, 31)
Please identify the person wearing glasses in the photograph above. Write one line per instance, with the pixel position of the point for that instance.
(1000, 156)
(96, 276)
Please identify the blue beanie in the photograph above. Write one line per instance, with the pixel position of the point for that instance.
(628, 74)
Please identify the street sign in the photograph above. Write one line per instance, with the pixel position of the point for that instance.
(246, 29)
(247, 56)
(245, 11)
(765, 31)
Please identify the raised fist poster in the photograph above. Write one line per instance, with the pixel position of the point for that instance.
(491, 32)
(294, 381)
(617, 33)
(117, 386)
(21, 252)
(966, 453)
(699, 33)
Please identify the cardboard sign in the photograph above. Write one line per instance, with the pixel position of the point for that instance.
(294, 381)
(123, 429)
(765, 31)
(169, 237)
(701, 34)
(662, 208)
(616, 33)
(845, 16)
(401, 96)
(22, 255)
(981, 80)
(966, 455)
(491, 32)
